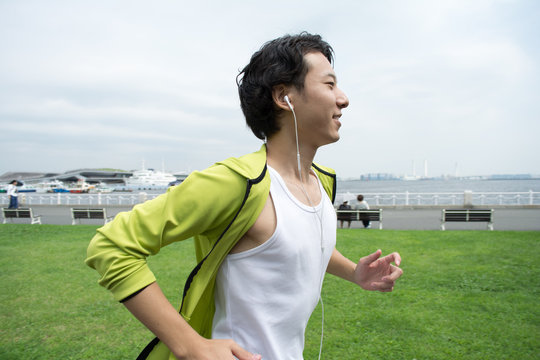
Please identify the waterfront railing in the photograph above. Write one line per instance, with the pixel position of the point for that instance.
(467, 198)
(97, 199)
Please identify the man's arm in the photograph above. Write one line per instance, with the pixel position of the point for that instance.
(153, 309)
(371, 272)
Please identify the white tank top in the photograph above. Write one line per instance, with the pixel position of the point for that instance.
(265, 296)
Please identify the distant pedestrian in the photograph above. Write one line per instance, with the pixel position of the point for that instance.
(363, 205)
(13, 194)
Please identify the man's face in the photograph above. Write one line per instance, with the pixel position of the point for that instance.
(318, 106)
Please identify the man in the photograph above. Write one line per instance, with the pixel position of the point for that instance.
(264, 224)
(13, 195)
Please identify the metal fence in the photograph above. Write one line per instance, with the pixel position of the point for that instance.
(467, 198)
(374, 199)
(80, 199)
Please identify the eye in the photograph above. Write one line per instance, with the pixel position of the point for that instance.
(331, 84)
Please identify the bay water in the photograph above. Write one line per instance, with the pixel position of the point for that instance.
(437, 186)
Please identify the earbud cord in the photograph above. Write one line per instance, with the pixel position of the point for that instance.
(298, 153)
(316, 213)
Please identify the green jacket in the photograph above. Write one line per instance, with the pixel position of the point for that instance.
(216, 206)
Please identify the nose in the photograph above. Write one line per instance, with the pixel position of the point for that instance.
(342, 100)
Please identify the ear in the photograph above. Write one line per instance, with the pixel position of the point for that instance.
(278, 95)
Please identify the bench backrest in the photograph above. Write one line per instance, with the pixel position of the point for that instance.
(371, 214)
(475, 215)
(20, 213)
(88, 213)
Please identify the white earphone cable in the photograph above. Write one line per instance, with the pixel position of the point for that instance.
(297, 146)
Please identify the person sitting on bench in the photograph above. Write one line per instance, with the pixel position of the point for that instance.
(363, 205)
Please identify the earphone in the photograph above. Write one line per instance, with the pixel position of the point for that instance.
(286, 98)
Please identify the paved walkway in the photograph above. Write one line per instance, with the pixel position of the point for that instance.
(430, 219)
(396, 219)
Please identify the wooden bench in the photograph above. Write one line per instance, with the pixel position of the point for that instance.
(21, 213)
(467, 215)
(89, 214)
(364, 214)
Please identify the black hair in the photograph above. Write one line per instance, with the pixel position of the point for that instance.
(280, 61)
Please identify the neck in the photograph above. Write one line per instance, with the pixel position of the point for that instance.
(282, 156)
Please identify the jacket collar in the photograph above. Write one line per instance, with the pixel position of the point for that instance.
(253, 166)
(249, 166)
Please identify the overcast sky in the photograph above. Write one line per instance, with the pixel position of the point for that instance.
(95, 84)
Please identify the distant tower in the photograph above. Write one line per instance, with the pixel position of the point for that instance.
(456, 170)
(413, 169)
(425, 168)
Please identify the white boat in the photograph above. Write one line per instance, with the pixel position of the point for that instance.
(149, 179)
(49, 186)
(80, 187)
(102, 188)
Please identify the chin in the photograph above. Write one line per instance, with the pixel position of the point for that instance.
(332, 140)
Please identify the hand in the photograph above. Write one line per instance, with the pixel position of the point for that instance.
(217, 349)
(153, 309)
(376, 274)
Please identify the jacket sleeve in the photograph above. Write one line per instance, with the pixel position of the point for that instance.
(201, 204)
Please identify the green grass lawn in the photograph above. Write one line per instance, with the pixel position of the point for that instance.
(464, 295)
